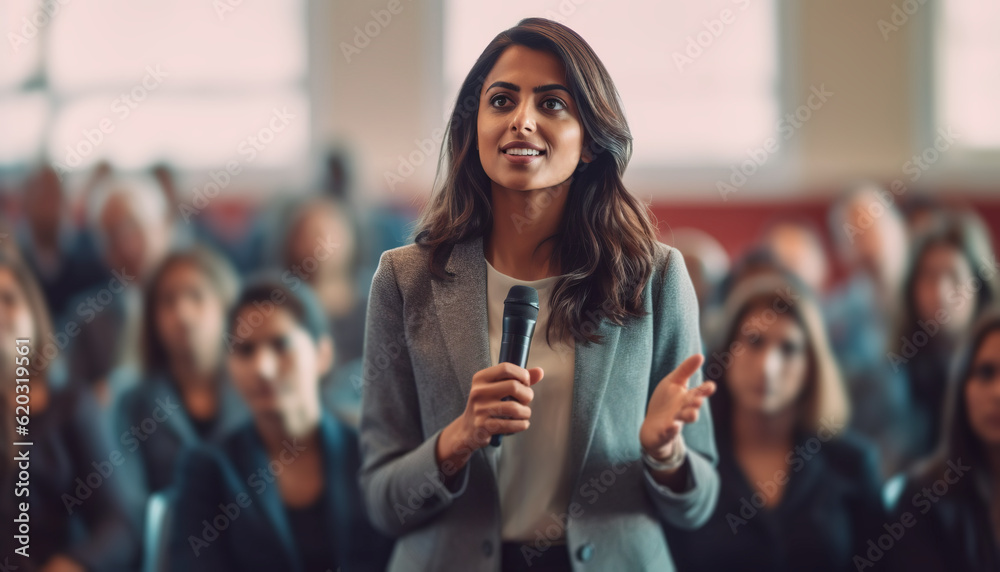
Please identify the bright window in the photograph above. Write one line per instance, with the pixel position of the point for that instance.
(698, 79)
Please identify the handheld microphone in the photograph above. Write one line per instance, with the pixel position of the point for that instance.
(520, 312)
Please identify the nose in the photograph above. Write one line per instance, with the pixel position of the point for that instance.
(772, 367)
(523, 119)
(265, 364)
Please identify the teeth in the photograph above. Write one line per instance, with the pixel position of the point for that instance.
(519, 151)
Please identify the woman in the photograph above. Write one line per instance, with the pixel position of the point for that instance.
(280, 492)
(185, 396)
(950, 280)
(77, 518)
(533, 195)
(949, 512)
(798, 492)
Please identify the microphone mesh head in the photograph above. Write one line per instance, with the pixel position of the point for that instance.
(521, 301)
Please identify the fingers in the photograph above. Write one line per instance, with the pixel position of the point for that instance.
(504, 409)
(505, 370)
(497, 426)
(683, 372)
(537, 374)
(706, 389)
(491, 392)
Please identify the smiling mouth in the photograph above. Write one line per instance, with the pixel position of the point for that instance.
(523, 152)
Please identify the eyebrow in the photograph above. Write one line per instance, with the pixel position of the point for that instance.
(539, 89)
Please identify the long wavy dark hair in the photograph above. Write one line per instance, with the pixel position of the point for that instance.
(606, 240)
(965, 231)
(38, 361)
(958, 441)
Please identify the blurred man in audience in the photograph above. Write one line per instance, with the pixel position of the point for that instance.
(797, 245)
(62, 258)
(871, 238)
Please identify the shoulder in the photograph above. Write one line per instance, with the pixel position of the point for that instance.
(853, 456)
(404, 265)
(670, 282)
(199, 470)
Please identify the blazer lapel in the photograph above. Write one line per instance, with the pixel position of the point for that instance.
(467, 337)
(338, 513)
(591, 371)
(270, 498)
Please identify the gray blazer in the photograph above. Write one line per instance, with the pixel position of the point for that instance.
(424, 340)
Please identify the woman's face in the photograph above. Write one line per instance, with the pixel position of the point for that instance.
(944, 284)
(190, 316)
(529, 130)
(982, 391)
(770, 362)
(277, 366)
(15, 317)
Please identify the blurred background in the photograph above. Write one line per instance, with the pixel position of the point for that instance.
(854, 145)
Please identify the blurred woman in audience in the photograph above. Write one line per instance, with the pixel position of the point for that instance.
(77, 516)
(949, 512)
(291, 472)
(185, 396)
(951, 278)
(798, 491)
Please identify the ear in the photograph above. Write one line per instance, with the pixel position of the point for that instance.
(586, 155)
(325, 355)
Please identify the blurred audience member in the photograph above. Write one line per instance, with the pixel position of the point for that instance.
(872, 243)
(132, 222)
(185, 396)
(62, 259)
(949, 512)
(798, 490)
(951, 278)
(321, 248)
(294, 465)
(798, 246)
(707, 264)
(77, 517)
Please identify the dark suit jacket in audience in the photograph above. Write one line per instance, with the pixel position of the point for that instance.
(162, 429)
(829, 508)
(77, 508)
(260, 536)
(948, 526)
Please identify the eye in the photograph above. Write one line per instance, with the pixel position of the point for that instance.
(281, 344)
(984, 372)
(554, 104)
(499, 100)
(789, 349)
(243, 349)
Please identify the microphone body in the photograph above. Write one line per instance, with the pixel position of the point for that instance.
(520, 313)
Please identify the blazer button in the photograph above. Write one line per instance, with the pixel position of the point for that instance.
(585, 552)
(487, 548)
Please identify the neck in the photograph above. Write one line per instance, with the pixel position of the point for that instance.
(301, 427)
(755, 429)
(522, 221)
(190, 374)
